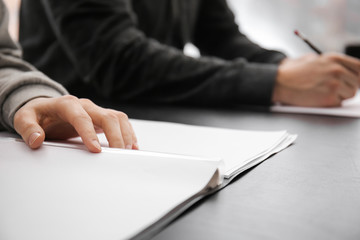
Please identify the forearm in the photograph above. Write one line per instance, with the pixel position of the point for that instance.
(19, 81)
(151, 71)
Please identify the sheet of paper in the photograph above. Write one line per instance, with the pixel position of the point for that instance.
(236, 147)
(349, 108)
(68, 193)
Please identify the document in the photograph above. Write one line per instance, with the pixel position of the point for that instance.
(62, 191)
(349, 108)
(238, 149)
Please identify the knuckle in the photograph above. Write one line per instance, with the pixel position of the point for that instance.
(122, 115)
(110, 115)
(86, 101)
(115, 114)
(67, 99)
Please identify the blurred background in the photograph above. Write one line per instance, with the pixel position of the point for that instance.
(329, 24)
(13, 6)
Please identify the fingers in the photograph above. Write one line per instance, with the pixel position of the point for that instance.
(111, 127)
(63, 117)
(344, 75)
(135, 142)
(85, 116)
(350, 79)
(317, 80)
(26, 125)
(128, 133)
(344, 91)
(70, 110)
(347, 84)
(115, 125)
(351, 63)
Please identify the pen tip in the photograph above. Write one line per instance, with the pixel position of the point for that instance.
(296, 32)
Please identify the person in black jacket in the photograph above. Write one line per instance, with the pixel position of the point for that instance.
(132, 50)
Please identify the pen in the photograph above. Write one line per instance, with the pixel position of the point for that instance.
(297, 33)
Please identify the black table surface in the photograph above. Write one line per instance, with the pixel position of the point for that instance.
(309, 191)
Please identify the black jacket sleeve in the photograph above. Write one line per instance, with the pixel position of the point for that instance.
(108, 51)
(217, 34)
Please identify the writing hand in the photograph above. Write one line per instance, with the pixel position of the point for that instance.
(317, 80)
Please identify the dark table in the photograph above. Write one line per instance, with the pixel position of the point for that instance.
(309, 191)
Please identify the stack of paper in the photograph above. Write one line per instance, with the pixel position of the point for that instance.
(238, 149)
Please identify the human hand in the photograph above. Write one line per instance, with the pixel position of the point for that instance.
(317, 80)
(67, 116)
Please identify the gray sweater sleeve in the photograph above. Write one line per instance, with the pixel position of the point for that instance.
(19, 81)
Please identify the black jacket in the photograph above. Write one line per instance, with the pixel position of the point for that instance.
(132, 50)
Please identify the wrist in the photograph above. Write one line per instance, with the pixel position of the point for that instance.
(280, 89)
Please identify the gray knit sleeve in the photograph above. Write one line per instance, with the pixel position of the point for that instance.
(19, 81)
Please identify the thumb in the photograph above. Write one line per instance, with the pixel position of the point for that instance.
(34, 139)
(27, 127)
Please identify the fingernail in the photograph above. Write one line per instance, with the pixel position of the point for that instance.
(128, 146)
(136, 145)
(33, 138)
(96, 144)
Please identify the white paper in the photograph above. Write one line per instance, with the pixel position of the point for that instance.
(65, 193)
(238, 149)
(235, 147)
(349, 108)
(62, 191)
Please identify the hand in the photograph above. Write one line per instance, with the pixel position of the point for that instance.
(67, 116)
(317, 80)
